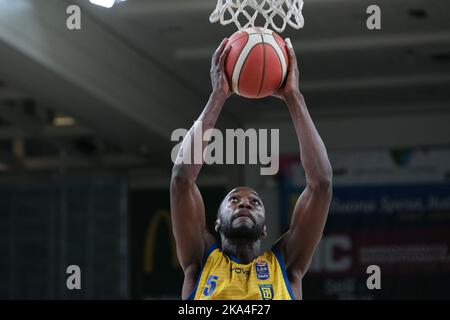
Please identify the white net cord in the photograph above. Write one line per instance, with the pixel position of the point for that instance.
(276, 13)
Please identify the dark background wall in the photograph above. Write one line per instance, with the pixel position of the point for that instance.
(49, 225)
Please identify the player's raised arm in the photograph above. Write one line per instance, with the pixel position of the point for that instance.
(187, 208)
(311, 210)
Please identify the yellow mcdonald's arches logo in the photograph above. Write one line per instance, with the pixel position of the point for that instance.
(150, 241)
(292, 202)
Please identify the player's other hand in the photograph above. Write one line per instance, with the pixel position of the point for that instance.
(290, 86)
(219, 80)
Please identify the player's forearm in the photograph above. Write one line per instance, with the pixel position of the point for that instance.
(190, 157)
(313, 153)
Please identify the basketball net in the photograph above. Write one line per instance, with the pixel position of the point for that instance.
(276, 13)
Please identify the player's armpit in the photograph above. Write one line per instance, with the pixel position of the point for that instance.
(308, 221)
(188, 222)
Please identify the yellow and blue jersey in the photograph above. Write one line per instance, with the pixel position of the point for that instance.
(225, 278)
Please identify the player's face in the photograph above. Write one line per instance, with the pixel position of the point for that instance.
(242, 214)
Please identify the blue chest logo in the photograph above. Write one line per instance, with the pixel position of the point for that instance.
(266, 291)
(262, 270)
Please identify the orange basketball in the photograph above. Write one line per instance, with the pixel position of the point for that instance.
(257, 63)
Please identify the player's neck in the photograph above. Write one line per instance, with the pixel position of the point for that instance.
(245, 251)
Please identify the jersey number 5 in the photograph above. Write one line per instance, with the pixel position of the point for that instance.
(210, 285)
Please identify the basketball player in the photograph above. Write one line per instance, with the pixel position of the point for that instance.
(238, 270)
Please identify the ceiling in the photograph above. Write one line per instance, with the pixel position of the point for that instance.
(342, 62)
(139, 70)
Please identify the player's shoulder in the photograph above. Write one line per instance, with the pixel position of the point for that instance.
(211, 252)
(294, 275)
(279, 248)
